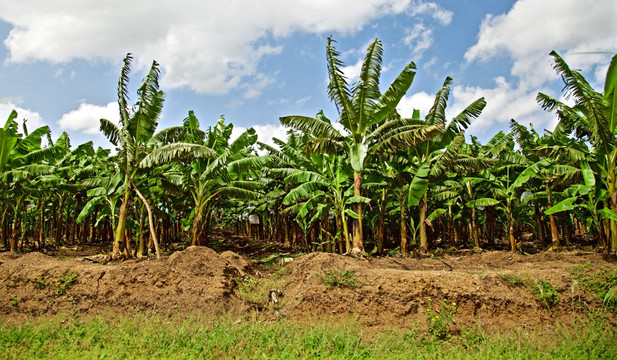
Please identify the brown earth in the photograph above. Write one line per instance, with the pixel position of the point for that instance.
(390, 291)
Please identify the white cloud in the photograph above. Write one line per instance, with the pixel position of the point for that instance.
(504, 102)
(207, 46)
(33, 118)
(302, 101)
(419, 39)
(86, 118)
(352, 72)
(578, 30)
(265, 133)
(436, 11)
(421, 101)
(532, 28)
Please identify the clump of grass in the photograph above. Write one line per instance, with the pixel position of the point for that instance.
(39, 282)
(513, 280)
(546, 292)
(67, 279)
(543, 290)
(601, 284)
(339, 278)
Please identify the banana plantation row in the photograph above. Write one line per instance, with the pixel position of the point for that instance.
(374, 181)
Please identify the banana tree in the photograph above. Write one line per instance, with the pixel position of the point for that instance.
(21, 159)
(367, 116)
(441, 153)
(593, 117)
(209, 175)
(136, 127)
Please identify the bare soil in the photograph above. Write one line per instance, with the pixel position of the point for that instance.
(390, 291)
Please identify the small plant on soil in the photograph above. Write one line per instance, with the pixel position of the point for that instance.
(39, 282)
(68, 279)
(543, 290)
(546, 292)
(601, 284)
(440, 321)
(339, 278)
(513, 280)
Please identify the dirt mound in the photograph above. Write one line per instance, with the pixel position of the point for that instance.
(398, 291)
(196, 279)
(495, 290)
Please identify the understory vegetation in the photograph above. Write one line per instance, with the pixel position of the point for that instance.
(375, 182)
(141, 337)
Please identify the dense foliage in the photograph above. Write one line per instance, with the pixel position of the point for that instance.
(370, 181)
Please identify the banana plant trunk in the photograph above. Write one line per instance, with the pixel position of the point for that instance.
(423, 237)
(122, 216)
(382, 222)
(474, 228)
(613, 223)
(150, 222)
(197, 226)
(358, 245)
(404, 250)
(552, 221)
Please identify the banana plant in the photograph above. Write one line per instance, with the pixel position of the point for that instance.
(441, 153)
(371, 124)
(592, 117)
(136, 127)
(210, 168)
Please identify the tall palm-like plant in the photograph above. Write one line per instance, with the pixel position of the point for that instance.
(368, 117)
(593, 117)
(441, 153)
(137, 126)
(20, 160)
(208, 175)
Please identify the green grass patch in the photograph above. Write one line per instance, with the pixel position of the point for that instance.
(149, 337)
(600, 283)
(339, 278)
(543, 290)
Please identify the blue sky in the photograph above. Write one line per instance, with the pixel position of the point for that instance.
(255, 61)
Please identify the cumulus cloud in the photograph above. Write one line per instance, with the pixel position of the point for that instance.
(504, 102)
(33, 119)
(526, 34)
(562, 28)
(421, 101)
(419, 39)
(352, 72)
(207, 46)
(435, 11)
(85, 118)
(265, 133)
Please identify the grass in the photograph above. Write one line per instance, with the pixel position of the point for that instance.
(147, 337)
(339, 278)
(257, 292)
(543, 290)
(601, 283)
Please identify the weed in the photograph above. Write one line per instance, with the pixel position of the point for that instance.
(339, 278)
(472, 337)
(513, 280)
(440, 321)
(601, 283)
(68, 279)
(39, 282)
(15, 300)
(543, 290)
(546, 292)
